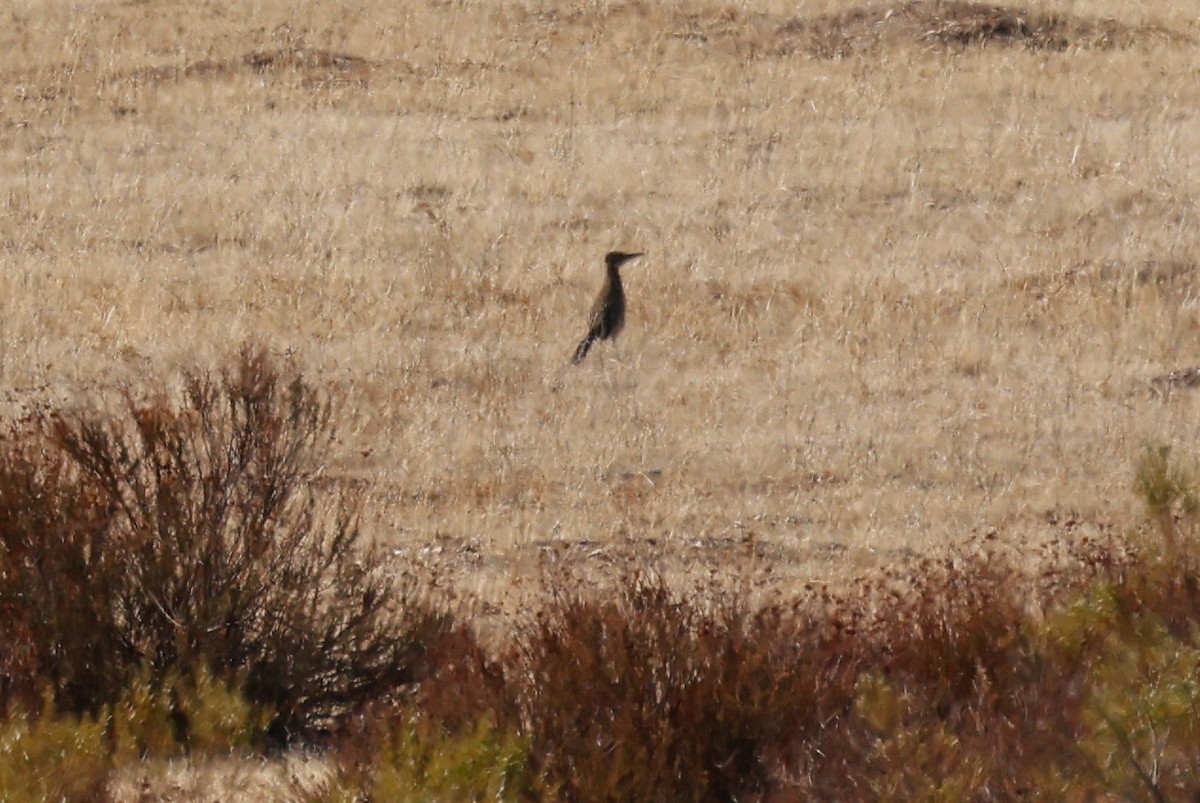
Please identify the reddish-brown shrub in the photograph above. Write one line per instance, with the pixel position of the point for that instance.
(651, 696)
(172, 533)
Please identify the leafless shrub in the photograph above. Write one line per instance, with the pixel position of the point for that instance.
(174, 535)
(680, 701)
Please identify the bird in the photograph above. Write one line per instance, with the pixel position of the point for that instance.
(608, 312)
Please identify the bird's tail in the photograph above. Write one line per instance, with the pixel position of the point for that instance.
(582, 349)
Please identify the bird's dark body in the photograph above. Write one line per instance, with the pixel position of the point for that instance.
(608, 313)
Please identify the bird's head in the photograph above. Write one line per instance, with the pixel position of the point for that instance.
(615, 259)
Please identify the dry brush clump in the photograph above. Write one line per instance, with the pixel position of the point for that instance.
(953, 679)
(949, 698)
(174, 534)
(678, 699)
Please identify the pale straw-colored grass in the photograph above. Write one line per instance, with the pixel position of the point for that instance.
(890, 301)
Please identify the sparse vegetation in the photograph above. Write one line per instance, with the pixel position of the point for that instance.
(862, 507)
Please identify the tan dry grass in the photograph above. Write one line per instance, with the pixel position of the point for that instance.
(293, 778)
(891, 299)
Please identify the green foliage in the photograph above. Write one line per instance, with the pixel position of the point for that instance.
(1080, 623)
(421, 761)
(53, 756)
(1167, 488)
(197, 715)
(44, 758)
(1142, 713)
(926, 762)
(880, 704)
(1164, 485)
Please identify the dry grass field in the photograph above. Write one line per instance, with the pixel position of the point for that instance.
(912, 268)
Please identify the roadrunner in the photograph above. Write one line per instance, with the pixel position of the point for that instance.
(608, 313)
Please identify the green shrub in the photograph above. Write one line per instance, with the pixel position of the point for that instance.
(1142, 714)
(45, 758)
(1166, 487)
(176, 715)
(421, 761)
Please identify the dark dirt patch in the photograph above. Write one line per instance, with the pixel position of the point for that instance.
(300, 58)
(1185, 378)
(310, 63)
(942, 25)
(1176, 276)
